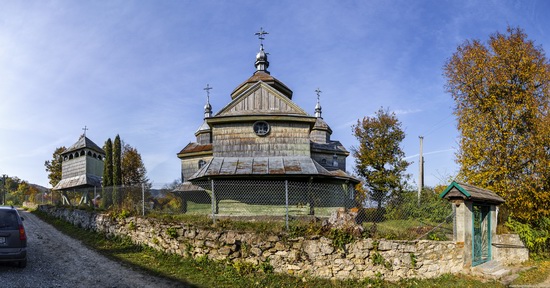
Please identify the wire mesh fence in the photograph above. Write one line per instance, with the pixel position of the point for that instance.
(402, 216)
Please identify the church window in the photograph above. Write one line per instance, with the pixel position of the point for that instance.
(201, 163)
(261, 128)
(70, 156)
(82, 153)
(90, 154)
(99, 157)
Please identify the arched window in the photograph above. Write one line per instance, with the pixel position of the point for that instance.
(76, 154)
(99, 157)
(90, 154)
(70, 156)
(324, 162)
(82, 153)
(201, 163)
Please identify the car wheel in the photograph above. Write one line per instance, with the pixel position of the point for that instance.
(22, 264)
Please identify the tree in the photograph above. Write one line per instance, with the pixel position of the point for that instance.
(53, 167)
(379, 158)
(502, 93)
(108, 164)
(117, 164)
(133, 169)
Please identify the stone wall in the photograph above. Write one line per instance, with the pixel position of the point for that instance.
(509, 249)
(315, 256)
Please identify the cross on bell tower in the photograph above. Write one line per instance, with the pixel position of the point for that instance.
(85, 129)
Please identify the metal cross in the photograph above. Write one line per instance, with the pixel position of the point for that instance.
(318, 91)
(85, 128)
(207, 89)
(261, 35)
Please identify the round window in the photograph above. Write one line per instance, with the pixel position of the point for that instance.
(261, 128)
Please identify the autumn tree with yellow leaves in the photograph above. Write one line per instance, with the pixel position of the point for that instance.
(501, 91)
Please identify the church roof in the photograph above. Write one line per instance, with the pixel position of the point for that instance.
(195, 147)
(320, 124)
(84, 142)
(332, 146)
(264, 166)
(264, 77)
(87, 180)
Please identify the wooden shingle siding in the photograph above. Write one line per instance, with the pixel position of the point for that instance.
(239, 140)
(190, 165)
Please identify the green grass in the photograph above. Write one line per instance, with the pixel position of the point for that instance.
(538, 274)
(202, 272)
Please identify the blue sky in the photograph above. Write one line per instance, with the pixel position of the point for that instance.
(138, 69)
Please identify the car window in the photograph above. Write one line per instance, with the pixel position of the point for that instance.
(8, 220)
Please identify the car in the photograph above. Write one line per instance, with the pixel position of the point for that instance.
(13, 239)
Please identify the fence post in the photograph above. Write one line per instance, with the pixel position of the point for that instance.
(286, 203)
(213, 201)
(143, 199)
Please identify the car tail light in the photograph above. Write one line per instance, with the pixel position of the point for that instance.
(22, 235)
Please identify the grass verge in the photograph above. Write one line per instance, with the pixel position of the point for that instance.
(538, 274)
(202, 272)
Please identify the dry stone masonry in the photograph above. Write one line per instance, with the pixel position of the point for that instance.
(315, 256)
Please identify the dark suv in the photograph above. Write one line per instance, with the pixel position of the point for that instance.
(13, 240)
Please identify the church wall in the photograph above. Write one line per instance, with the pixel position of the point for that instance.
(74, 167)
(239, 140)
(320, 136)
(191, 165)
(204, 138)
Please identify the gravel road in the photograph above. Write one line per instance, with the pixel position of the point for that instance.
(56, 260)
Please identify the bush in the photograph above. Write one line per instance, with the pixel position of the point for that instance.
(431, 208)
(535, 236)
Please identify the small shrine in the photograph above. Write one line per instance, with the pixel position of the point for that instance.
(475, 220)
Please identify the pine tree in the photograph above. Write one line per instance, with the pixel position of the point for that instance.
(108, 164)
(117, 164)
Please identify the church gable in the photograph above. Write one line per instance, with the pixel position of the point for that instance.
(261, 99)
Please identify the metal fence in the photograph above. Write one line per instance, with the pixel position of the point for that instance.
(399, 216)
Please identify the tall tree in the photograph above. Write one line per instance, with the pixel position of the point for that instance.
(117, 164)
(108, 164)
(502, 92)
(53, 167)
(379, 158)
(133, 169)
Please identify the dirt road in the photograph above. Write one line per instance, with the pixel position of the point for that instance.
(56, 260)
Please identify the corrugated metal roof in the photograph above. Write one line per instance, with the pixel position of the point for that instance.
(268, 166)
(87, 180)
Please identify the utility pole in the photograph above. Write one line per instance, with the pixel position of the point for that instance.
(420, 169)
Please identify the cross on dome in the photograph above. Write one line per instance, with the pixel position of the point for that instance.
(207, 107)
(207, 89)
(318, 106)
(260, 35)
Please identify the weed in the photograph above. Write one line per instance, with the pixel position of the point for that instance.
(413, 260)
(172, 232)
